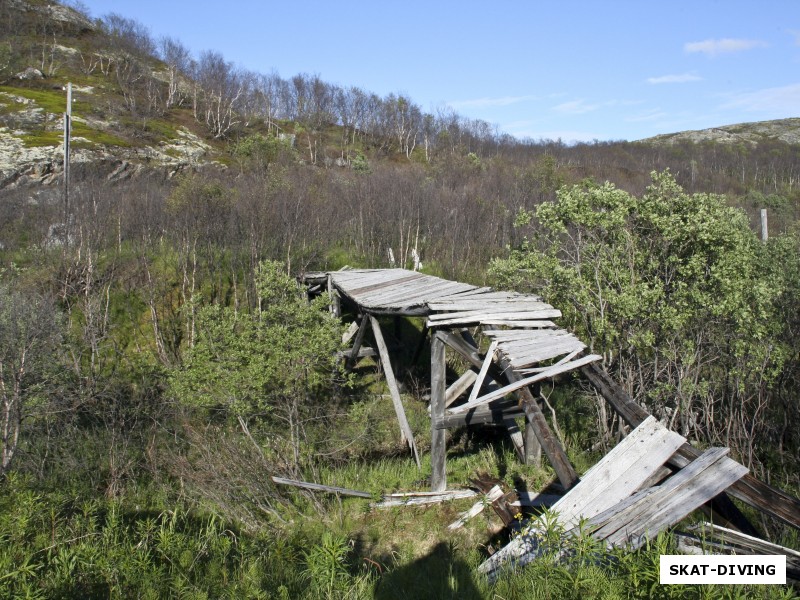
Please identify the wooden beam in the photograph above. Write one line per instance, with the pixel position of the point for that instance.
(353, 358)
(321, 488)
(748, 489)
(459, 386)
(394, 391)
(487, 362)
(533, 449)
(438, 384)
(552, 448)
(516, 438)
(495, 414)
(521, 383)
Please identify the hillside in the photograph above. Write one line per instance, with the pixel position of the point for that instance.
(782, 130)
(143, 105)
(122, 121)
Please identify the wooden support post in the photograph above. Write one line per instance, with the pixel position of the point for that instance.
(533, 449)
(517, 439)
(420, 345)
(541, 430)
(335, 305)
(394, 391)
(353, 359)
(438, 388)
(504, 373)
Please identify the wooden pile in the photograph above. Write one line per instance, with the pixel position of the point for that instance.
(619, 501)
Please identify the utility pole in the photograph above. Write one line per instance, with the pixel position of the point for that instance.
(67, 133)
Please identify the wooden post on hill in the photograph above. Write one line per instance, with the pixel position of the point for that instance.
(67, 133)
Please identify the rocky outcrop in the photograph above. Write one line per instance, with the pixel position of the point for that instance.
(784, 130)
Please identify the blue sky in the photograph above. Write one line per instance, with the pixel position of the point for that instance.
(569, 69)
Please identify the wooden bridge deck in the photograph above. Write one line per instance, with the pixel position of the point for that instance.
(525, 347)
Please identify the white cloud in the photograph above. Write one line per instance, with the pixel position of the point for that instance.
(724, 46)
(575, 107)
(682, 78)
(778, 100)
(490, 102)
(650, 115)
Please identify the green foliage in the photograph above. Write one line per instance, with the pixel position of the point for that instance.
(259, 151)
(249, 363)
(360, 164)
(669, 287)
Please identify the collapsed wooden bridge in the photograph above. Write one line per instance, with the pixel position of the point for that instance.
(525, 347)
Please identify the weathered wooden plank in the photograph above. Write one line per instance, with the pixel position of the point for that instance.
(393, 389)
(366, 291)
(533, 449)
(521, 383)
(354, 352)
(538, 324)
(438, 436)
(363, 352)
(620, 472)
(537, 339)
(459, 386)
(521, 360)
(614, 518)
(420, 292)
(748, 489)
(561, 361)
(491, 496)
(669, 505)
(467, 317)
(351, 331)
(421, 286)
(516, 437)
(321, 488)
(422, 500)
(514, 305)
(722, 540)
(512, 335)
(487, 362)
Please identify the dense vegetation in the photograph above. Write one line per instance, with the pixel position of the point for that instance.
(158, 362)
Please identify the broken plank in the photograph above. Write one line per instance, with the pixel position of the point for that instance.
(321, 488)
(619, 473)
(748, 489)
(426, 499)
(487, 362)
(492, 495)
(459, 386)
(350, 332)
(393, 389)
(512, 387)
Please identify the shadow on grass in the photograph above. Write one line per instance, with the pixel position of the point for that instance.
(440, 574)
